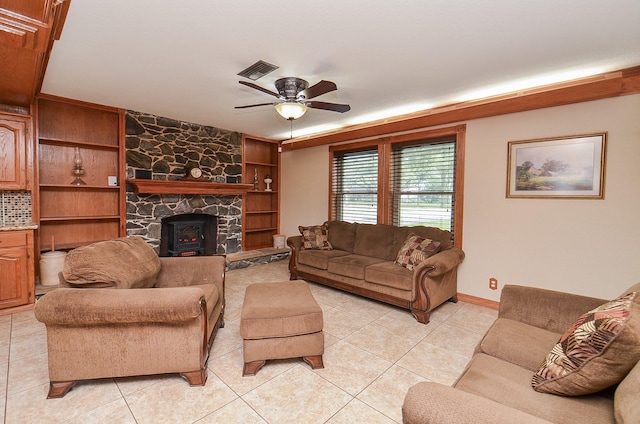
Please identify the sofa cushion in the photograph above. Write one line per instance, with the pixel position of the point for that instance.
(596, 352)
(319, 258)
(315, 237)
(504, 341)
(375, 240)
(415, 250)
(211, 295)
(509, 384)
(123, 263)
(626, 407)
(342, 235)
(389, 274)
(351, 265)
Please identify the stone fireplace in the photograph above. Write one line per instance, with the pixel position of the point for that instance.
(168, 148)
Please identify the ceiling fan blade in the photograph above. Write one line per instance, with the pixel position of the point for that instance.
(257, 87)
(329, 106)
(321, 88)
(258, 104)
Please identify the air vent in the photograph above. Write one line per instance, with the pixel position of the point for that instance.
(258, 70)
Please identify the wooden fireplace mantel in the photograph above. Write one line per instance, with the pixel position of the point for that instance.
(187, 187)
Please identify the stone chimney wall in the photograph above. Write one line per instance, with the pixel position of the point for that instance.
(168, 148)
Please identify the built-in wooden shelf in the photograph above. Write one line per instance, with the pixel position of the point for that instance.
(187, 187)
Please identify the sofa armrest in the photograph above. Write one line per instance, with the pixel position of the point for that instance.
(192, 270)
(294, 242)
(441, 263)
(433, 403)
(548, 309)
(85, 307)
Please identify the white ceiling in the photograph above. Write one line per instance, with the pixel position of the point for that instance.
(179, 59)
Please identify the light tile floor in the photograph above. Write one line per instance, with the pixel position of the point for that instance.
(373, 354)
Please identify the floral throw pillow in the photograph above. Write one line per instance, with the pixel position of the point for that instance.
(595, 353)
(315, 237)
(415, 250)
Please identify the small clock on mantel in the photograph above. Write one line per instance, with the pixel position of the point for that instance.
(194, 174)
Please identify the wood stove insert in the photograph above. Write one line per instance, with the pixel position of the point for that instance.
(190, 234)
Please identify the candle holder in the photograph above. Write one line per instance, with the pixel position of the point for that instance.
(77, 170)
(255, 179)
(268, 181)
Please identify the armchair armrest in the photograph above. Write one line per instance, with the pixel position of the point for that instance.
(548, 309)
(85, 307)
(433, 403)
(192, 270)
(441, 263)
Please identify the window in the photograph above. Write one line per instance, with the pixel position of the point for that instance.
(404, 180)
(422, 183)
(355, 186)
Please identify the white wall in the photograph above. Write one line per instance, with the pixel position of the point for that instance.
(304, 188)
(590, 247)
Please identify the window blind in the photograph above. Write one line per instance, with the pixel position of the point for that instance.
(422, 179)
(355, 186)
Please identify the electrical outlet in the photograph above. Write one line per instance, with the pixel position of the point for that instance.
(493, 283)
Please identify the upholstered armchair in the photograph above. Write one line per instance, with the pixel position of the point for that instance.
(121, 311)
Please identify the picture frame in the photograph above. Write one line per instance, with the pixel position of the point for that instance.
(567, 167)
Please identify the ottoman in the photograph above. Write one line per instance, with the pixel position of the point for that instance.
(280, 321)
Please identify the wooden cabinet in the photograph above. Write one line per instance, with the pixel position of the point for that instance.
(13, 152)
(76, 215)
(16, 268)
(28, 30)
(260, 208)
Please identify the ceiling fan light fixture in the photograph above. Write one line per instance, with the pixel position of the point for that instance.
(291, 110)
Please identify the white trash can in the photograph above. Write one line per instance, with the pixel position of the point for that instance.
(51, 263)
(279, 241)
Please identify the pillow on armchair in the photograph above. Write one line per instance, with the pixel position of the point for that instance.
(123, 263)
(597, 352)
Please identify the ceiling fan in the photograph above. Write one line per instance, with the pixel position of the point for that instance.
(294, 96)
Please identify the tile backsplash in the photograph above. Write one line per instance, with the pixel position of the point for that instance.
(16, 208)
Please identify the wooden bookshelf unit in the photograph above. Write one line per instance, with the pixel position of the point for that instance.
(76, 215)
(261, 208)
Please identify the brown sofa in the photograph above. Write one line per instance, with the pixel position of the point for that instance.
(496, 386)
(361, 259)
(122, 311)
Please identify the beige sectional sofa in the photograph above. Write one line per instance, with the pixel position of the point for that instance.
(364, 259)
(598, 381)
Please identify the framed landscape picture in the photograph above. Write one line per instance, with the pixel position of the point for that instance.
(560, 167)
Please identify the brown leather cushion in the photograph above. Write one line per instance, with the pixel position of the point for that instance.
(279, 310)
(124, 263)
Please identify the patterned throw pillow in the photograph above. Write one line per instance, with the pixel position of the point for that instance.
(315, 237)
(415, 250)
(595, 353)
